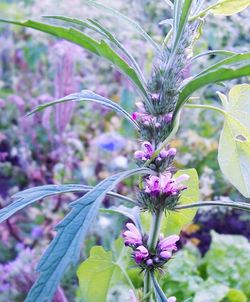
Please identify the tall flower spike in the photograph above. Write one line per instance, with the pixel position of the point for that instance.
(132, 237)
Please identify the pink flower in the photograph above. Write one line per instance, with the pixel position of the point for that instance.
(132, 296)
(165, 184)
(147, 152)
(167, 245)
(140, 254)
(132, 237)
(171, 299)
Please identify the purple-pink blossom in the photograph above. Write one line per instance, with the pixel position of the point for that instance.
(171, 299)
(140, 254)
(132, 237)
(166, 246)
(146, 153)
(165, 184)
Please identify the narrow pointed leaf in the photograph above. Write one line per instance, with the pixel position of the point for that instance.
(30, 196)
(231, 204)
(123, 17)
(71, 231)
(99, 48)
(231, 68)
(229, 7)
(87, 95)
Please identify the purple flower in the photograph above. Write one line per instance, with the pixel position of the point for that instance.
(166, 246)
(132, 237)
(171, 299)
(147, 152)
(140, 254)
(165, 184)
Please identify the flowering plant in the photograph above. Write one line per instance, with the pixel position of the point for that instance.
(163, 192)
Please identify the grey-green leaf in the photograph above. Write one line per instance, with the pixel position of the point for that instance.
(159, 294)
(87, 95)
(71, 231)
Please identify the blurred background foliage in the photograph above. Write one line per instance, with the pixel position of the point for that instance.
(86, 143)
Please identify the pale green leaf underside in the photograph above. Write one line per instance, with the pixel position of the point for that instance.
(234, 147)
(96, 275)
(230, 7)
(175, 221)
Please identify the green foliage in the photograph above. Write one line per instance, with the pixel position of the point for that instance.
(230, 68)
(222, 275)
(159, 294)
(99, 273)
(175, 221)
(229, 7)
(234, 157)
(99, 48)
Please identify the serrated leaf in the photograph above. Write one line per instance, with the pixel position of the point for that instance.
(99, 48)
(175, 221)
(87, 95)
(71, 231)
(30, 196)
(231, 68)
(229, 7)
(96, 275)
(131, 22)
(234, 146)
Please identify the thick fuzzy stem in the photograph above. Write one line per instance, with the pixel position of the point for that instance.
(152, 241)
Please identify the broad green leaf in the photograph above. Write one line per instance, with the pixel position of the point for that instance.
(235, 295)
(131, 22)
(30, 196)
(234, 147)
(71, 231)
(99, 48)
(175, 221)
(87, 95)
(231, 68)
(229, 7)
(159, 294)
(96, 275)
(211, 291)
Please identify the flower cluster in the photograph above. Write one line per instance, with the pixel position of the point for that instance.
(162, 192)
(143, 257)
(161, 162)
(153, 127)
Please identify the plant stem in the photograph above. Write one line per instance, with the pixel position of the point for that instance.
(152, 241)
(199, 106)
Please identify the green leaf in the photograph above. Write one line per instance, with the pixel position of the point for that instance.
(87, 95)
(99, 48)
(175, 221)
(234, 146)
(159, 294)
(96, 275)
(229, 7)
(181, 14)
(131, 22)
(71, 232)
(230, 68)
(97, 27)
(235, 295)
